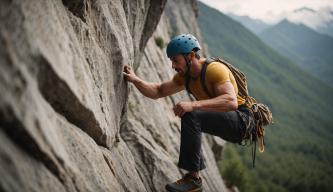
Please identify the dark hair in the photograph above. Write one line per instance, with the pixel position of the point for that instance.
(196, 52)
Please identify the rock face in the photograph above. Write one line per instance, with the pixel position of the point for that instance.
(68, 119)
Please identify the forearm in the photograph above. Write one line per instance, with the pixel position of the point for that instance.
(223, 103)
(150, 90)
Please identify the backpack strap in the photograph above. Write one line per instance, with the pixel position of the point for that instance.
(189, 93)
(203, 76)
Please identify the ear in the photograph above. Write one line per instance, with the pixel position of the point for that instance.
(191, 55)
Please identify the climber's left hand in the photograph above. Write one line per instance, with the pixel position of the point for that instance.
(182, 107)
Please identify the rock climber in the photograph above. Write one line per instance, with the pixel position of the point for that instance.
(223, 114)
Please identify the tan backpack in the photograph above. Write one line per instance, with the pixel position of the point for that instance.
(263, 116)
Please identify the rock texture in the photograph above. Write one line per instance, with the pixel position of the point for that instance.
(68, 120)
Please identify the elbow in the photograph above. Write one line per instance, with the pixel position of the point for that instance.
(155, 97)
(158, 93)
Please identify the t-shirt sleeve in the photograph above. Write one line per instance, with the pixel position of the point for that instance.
(178, 79)
(218, 73)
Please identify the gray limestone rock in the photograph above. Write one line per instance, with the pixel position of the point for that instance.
(68, 119)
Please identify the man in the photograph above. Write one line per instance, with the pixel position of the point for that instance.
(222, 115)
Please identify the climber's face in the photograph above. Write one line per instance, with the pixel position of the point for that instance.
(179, 64)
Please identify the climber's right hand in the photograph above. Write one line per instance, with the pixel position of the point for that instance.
(129, 73)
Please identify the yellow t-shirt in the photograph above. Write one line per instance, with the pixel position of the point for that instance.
(216, 73)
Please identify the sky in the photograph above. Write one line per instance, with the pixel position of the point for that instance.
(272, 11)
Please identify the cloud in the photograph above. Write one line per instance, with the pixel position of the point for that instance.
(272, 11)
(312, 18)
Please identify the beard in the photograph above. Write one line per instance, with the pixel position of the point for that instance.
(180, 72)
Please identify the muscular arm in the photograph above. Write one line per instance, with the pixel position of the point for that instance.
(225, 101)
(152, 90)
(157, 90)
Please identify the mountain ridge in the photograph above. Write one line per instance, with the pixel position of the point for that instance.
(314, 19)
(304, 46)
(254, 25)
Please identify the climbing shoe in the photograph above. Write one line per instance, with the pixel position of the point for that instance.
(186, 184)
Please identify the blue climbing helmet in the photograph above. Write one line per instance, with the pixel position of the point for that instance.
(182, 44)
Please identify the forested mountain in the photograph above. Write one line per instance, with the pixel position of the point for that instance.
(298, 155)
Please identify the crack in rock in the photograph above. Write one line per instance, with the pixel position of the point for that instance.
(19, 135)
(60, 96)
(77, 8)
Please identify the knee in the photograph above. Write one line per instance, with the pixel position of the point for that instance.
(188, 116)
(190, 120)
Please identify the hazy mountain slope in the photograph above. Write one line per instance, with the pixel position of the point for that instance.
(255, 25)
(302, 134)
(304, 46)
(328, 29)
